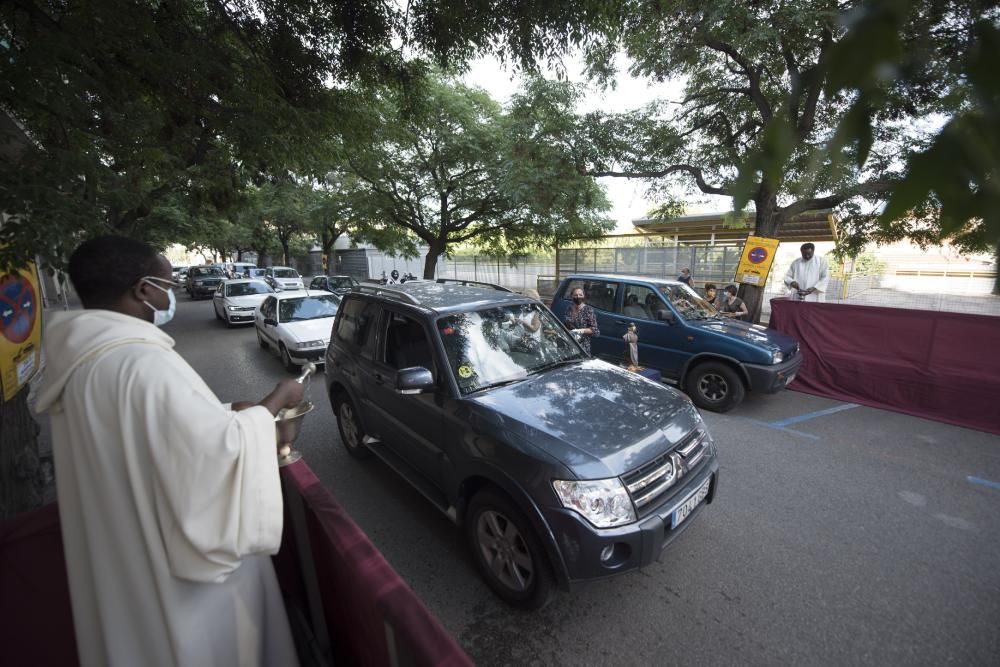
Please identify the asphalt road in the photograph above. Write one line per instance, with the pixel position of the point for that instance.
(841, 535)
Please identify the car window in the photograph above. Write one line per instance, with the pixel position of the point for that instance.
(307, 308)
(286, 273)
(355, 322)
(498, 345)
(406, 344)
(267, 308)
(688, 303)
(640, 302)
(600, 294)
(206, 271)
(246, 289)
(317, 283)
(342, 283)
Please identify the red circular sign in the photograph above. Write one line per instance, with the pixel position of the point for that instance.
(757, 255)
(18, 308)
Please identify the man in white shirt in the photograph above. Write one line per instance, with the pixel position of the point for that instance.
(808, 276)
(170, 501)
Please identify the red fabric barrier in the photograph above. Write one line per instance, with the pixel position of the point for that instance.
(36, 620)
(361, 591)
(937, 365)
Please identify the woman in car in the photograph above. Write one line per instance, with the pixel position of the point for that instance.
(733, 306)
(581, 319)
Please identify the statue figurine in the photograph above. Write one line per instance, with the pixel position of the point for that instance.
(632, 348)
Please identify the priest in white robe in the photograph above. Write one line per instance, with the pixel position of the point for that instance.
(170, 501)
(808, 276)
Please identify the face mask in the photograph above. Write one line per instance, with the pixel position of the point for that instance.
(578, 300)
(161, 317)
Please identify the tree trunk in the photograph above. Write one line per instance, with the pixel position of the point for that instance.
(21, 480)
(284, 251)
(434, 251)
(767, 225)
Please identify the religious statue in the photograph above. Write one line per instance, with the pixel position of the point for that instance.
(632, 348)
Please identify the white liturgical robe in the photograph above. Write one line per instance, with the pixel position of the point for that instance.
(170, 502)
(809, 273)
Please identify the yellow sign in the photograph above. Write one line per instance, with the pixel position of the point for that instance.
(20, 329)
(755, 262)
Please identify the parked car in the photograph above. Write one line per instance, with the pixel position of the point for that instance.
(296, 325)
(715, 360)
(235, 301)
(335, 284)
(560, 468)
(204, 280)
(283, 278)
(239, 269)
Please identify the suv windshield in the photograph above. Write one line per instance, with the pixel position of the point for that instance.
(308, 308)
(337, 283)
(687, 303)
(490, 347)
(285, 273)
(246, 289)
(210, 271)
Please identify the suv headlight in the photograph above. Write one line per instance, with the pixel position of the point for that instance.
(310, 343)
(602, 502)
(777, 357)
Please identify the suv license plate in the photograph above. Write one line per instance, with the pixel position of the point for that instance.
(684, 511)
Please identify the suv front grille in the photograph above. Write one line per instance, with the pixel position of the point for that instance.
(652, 479)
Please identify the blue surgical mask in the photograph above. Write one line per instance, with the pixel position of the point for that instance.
(161, 317)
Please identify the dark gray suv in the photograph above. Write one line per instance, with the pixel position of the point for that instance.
(560, 468)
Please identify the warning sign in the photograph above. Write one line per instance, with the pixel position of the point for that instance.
(20, 329)
(755, 263)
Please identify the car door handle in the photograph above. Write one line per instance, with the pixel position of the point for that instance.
(378, 378)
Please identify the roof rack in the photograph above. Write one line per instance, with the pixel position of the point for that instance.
(379, 290)
(473, 283)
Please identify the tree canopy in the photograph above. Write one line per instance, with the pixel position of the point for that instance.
(443, 162)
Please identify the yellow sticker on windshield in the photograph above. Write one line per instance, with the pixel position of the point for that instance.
(465, 372)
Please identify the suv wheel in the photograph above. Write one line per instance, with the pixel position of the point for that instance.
(715, 386)
(352, 435)
(509, 556)
(287, 360)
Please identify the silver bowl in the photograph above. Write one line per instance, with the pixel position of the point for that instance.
(288, 422)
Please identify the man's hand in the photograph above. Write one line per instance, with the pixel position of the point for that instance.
(286, 394)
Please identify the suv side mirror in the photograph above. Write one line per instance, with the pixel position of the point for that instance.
(414, 380)
(271, 321)
(666, 316)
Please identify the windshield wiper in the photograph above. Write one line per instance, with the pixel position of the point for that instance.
(501, 383)
(555, 364)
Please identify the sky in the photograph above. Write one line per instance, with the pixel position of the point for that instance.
(627, 196)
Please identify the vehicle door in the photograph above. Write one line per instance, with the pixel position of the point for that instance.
(601, 295)
(218, 300)
(410, 422)
(351, 350)
(661, 343)
(265, 320)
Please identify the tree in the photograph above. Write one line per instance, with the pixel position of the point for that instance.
(441, 161)
(757, 76)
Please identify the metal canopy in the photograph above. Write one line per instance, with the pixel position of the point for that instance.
(813, 226)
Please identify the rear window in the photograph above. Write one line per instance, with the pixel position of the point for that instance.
(599, 294)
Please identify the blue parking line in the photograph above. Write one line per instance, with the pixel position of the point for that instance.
(775, 426)
(812, 415)
(984, 482)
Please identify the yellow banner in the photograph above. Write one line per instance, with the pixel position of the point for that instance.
(20, 329)
(755, 262)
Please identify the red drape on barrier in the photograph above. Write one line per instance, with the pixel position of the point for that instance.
(937, 365)
(360, 591)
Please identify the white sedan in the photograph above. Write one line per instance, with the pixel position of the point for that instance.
(236, 300)
(296, 325)
(283, 278)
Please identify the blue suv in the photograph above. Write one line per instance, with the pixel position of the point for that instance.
(560, 468)
(715, 360)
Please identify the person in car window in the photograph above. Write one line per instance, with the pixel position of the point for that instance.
(733, 306)
(712, 296)
(581, 319)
